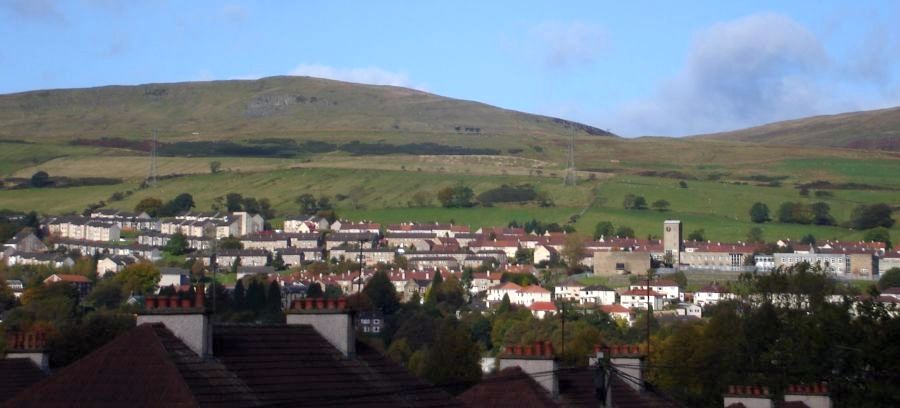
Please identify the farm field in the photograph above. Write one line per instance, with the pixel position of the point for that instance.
(723, 180)
(386, 195)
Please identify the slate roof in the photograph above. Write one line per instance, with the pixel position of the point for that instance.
(147, 366)
(292, 365)
(252, 365)
(17, 374)
(510, 387)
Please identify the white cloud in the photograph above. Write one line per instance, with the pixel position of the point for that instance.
(367, 75)
(36, 10)
(749, 71)
(235, 13)
(567, 44)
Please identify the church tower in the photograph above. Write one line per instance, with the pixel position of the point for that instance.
(672, 243)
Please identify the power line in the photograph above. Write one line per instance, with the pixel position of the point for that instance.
(154, 170)
(571, 177)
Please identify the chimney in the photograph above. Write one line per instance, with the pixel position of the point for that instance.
(750, 396)
(31, 345)
(188, 319)
(537, 360)
(628, 359)
(330, 318)
(814, 396)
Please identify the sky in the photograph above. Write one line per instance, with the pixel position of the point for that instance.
(635, 68)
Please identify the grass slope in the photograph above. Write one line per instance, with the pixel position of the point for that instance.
(384, 196)
(267, 107)
(877, 129)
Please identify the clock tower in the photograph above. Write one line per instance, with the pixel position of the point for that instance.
(672, 244)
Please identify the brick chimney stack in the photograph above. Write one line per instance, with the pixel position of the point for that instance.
(31, 345)
(537, 360)
(330, 317)
(813, 395)
(629, 360)
(187, 318)
(749, 395)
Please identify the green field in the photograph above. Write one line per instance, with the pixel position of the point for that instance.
(381, 187)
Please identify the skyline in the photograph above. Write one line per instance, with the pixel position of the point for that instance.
(634, 69)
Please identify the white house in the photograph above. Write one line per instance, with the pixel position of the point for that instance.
(598, 295)
(482, 281)
(617, 311)
(173, 277)
(496, 293)
(570, 289)
(640, 298)
(543, 253)
(689, 309)
(114, 263)
(542, 309)
(668, 288)
(530, 294)
(711, 294)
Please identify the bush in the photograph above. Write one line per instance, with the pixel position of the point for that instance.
(508, 194)
(871, 216)
(759, 212)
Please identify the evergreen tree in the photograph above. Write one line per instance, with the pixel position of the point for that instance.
(454, 357)
(314, 290)
(278, 262)
(256, 296)
(240, 301)
(504, 304)
(382, 293)
(273, 298)
(759, 213)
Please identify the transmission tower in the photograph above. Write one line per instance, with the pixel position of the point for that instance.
(154, 171)
(571, 178)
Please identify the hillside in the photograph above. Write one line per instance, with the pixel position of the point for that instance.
(269, 107)
(878, 129)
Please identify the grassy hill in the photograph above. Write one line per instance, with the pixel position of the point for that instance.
(878, 129)
(499, 147)
(281, 106)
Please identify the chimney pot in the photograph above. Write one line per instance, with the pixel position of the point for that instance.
(548, 349)
(538, 348)
(308, 303)
(320, 303)
(149, 302)
(342, 303)
(185, 303)
(162, 302)
(529, 351)
(173, 301)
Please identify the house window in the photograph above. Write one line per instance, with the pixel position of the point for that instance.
(376, 329)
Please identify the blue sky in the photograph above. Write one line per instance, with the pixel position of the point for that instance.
(636, 68)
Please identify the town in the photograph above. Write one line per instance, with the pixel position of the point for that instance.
(235, 203)
(369, 273)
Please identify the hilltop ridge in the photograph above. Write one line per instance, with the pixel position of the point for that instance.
(273, 106)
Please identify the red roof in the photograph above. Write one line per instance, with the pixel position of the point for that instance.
(616, 308)
(69, 278)
(543, 306)
(533, 289)
(507, 286)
